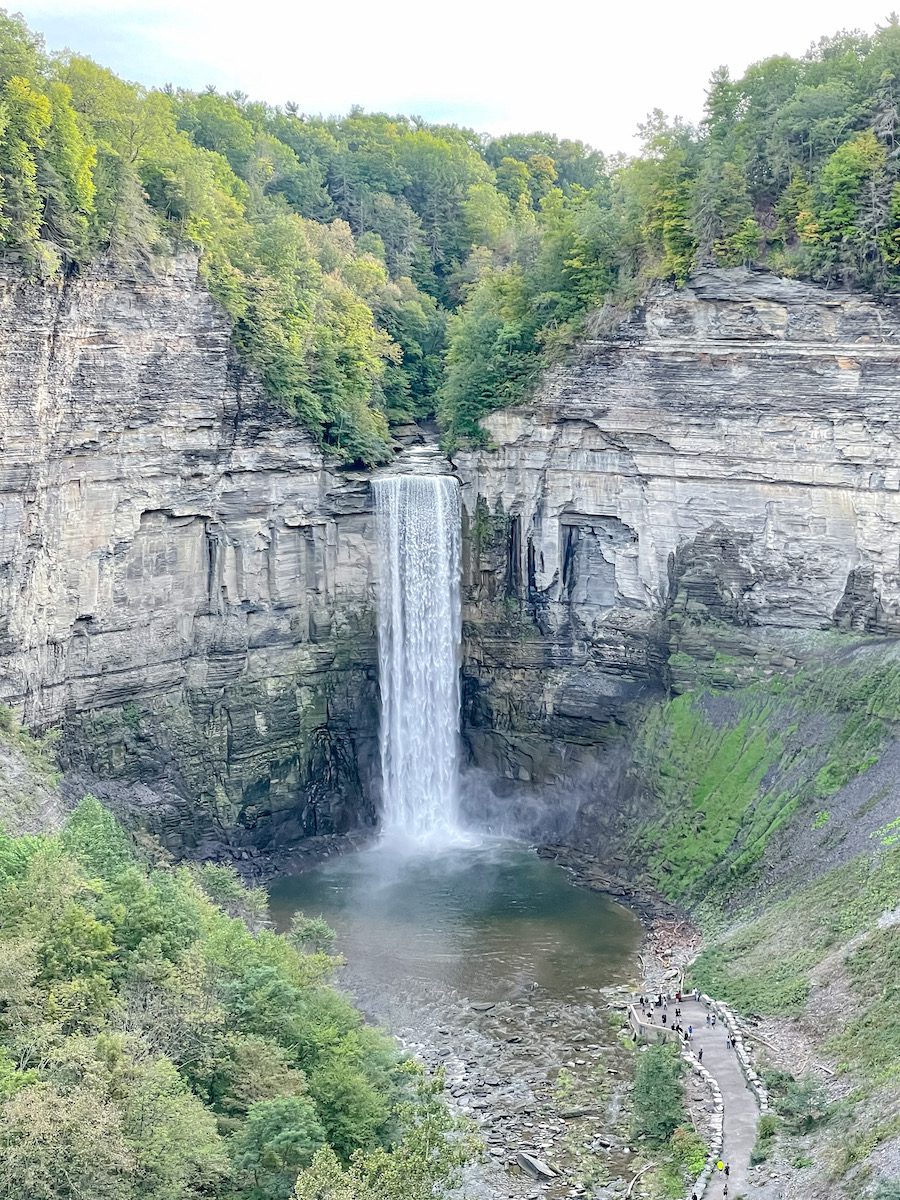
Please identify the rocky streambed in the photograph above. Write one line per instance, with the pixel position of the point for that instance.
(486, 962)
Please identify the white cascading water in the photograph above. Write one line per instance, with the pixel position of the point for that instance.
(419, 633)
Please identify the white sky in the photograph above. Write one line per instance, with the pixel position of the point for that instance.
(579, 68)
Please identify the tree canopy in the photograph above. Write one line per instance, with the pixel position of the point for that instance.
(154, 1046)
(379, 268)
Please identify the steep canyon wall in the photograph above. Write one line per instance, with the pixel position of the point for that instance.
(715, 477)
(185, 583)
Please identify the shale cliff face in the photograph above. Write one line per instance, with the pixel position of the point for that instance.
(185, 584)
(729, 458)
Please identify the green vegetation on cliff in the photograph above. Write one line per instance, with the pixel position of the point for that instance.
(337, 246)
(768, 793)
(794, 166)
(378, 268)
(157, 1040)
(732, 765)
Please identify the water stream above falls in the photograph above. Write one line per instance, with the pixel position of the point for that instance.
(487, 960)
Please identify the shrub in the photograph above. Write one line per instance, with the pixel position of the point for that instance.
(657, 1094)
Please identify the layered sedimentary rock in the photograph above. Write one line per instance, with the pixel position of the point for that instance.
(185, 583)
(729, 455)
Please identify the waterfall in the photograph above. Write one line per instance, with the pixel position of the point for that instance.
(419, 633)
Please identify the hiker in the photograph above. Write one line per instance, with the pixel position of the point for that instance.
(678, 997)
(707, 1018)
(728, 1041)
(690, 1031)
(727, 1170)
(700, 1055)
(713, 1022)
(664, 1018)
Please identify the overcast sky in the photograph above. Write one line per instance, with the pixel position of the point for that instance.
(579, 68)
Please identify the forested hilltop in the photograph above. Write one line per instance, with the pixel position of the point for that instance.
(380, 268)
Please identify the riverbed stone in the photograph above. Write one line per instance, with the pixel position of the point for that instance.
(533, 1166)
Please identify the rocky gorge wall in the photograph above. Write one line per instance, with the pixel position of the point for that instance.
(185, 583)
(713, 477)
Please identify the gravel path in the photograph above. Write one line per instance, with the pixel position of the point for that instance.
(741, 1111)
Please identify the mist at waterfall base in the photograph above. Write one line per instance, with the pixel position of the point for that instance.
(482, 922)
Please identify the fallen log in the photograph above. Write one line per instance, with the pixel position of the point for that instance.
(642, 1171)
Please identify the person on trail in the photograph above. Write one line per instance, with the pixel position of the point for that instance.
(664, 1018)
(707, 1018)
(713, 1021)
(700, 1055)
(728, 1041)
(690, 1031)
(727, 1170)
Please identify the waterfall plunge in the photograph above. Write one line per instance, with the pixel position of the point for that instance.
(419, 632)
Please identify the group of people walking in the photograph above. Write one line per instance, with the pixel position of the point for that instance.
(653, 1008)
(647, 1005)
(725, 1168)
